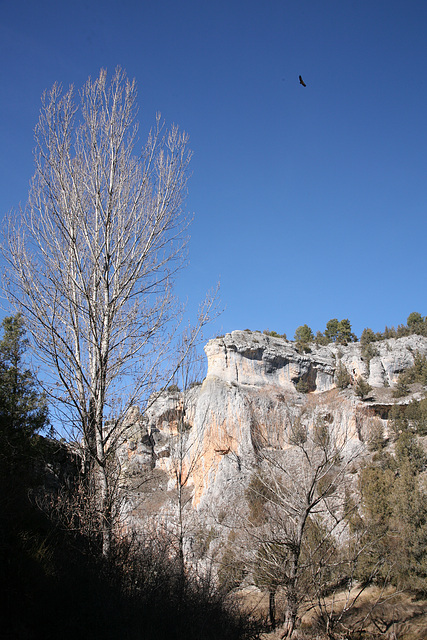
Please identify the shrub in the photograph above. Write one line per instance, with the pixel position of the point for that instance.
(389, 332)
(362, 388)
(369, 351)
(342, 376)
(274, 334)
(416, 373)
(231, 572)
(420, 368)
(320, 339)
(376, 440)
(416, 416)
(401, 389)
(173, 388)
(402, 331)
(367, 336)
(302, 386)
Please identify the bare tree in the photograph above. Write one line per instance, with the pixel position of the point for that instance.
(300, 485)
(185, 450)
(92, 259)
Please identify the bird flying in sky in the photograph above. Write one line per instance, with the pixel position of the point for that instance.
(301, 81)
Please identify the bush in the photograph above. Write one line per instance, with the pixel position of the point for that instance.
(416, 373)
(274, 334)
(54, 586)
(389, 332)
(401, 389)
(362, 388)
(173, 388)
(402, 331)
(231, 572)
(416, 416)
(367, 336)
(342, 376)
(420, 369)
(320, 339)
(302, 386)
(369, 352)
(376, 440)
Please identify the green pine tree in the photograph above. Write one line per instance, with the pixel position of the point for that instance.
(23, 408)
(345, 333)
(332, 329)
(303, 334)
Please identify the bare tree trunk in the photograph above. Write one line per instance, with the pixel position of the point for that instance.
(272, 608)
(291, 613)
(106, 514)
(300, 480)
(92, 260)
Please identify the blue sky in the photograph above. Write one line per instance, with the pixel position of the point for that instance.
(309, 203)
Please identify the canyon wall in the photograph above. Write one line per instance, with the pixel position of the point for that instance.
(213, 433)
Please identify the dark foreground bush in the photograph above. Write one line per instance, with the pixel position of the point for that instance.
(53, 586)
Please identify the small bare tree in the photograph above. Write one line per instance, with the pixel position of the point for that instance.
(92, 259)
(185, 448)
(300, 485)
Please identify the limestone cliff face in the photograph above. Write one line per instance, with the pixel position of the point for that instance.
(215, 431)
(254, 359)
(249, 358)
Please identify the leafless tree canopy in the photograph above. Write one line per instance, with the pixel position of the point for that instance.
(93, 254)
(300, 485)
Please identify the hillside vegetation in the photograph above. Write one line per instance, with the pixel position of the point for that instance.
(327, 538)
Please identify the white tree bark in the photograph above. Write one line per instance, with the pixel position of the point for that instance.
(93, 255)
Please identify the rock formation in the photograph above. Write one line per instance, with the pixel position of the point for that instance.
(212, 433)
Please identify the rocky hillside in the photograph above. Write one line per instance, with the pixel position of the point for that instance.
(211, 435)
(247, 358)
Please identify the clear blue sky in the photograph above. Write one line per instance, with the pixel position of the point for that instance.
(310, 203)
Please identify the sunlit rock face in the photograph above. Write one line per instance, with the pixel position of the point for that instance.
(253, 387)
(394, 356)
(255, 359)
(252, 358)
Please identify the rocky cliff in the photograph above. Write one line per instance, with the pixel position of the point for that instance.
(211, 434)
(249, 358)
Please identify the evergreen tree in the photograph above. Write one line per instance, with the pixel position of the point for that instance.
(23, 412)
(332, 328)
(345, 333)
(416, 323)
(394, 509)
(367, 336)
(376, 484)
(339, 331)
(303, 334)
(362, 388)
(342, 376)
(23, 408)
(320, 339)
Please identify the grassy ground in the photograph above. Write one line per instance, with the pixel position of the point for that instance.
(395, 616)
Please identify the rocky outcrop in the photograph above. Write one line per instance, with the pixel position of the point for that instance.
(252, 358)
(214, 432)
